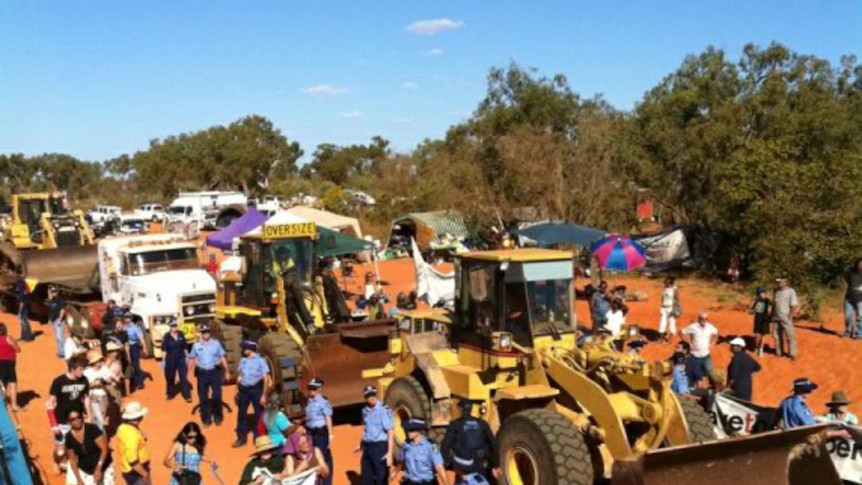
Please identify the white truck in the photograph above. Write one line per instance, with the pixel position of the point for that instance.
(267, 205)
(206, 210)
(160, 277)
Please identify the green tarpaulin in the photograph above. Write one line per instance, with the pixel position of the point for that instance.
(332, 243)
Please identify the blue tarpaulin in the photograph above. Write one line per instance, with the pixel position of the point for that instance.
(224, 238)
(558, 234)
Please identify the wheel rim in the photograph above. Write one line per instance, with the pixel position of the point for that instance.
(401, 415)
(522, 468)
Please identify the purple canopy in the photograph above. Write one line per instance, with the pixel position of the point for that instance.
(224, 238)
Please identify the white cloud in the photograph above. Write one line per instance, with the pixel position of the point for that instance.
(402, 121)
(352, 115)
(409, 85)
(435, 52)
(324, 90)
(433, 26)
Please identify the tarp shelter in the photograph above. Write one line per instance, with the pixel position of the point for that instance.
(561, 234)
(224, 239)
(426, 227)
(331, 220)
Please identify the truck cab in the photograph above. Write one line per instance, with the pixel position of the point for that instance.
(160, 277)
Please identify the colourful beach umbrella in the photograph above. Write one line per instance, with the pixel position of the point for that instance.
(615, 252)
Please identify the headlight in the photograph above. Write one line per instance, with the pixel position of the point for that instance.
(404, 324)
(190, 310)
(211, 307)
(506, 342)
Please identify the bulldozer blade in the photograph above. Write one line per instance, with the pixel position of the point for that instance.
(340, 357)
(73, 267)
(793, 457)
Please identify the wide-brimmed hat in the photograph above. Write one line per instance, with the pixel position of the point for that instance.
(113, 347)
(738, 341)
(803, 386)
(263, 444)
(94, 356)
(415, 424)
(134, 410)
(838, 399)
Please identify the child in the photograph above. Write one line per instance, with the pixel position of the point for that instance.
(761, 308)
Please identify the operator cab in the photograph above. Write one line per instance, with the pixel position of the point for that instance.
(267, 258)
(525, 293)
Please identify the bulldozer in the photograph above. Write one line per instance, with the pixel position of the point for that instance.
(293, 308)
(567, 410)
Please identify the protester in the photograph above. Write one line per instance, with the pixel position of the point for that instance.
(838, 412)
(137, 348)
(114, 367)
(693, 369)
(784, 307)
(471, 438)
(264, 464)
(422, 462)
(90, 461)
(97, 377)
(275, 423)
(412, 300)
(252, 382)
(212, 266)
(463, 475)
(70, 391)
(853, 301)
(318, 422)
(761, 307)
(207, 358)
(400, 305)
(22, 290)
(74, 346)
(615, 319)
(702, 336)
(599, 306)
(57, 317)
(378, 440)
(134, 454)
(668, 311)
(305, 457)
(679, 382)
(186, 454)
(175, 357)
(9, 351)
(112, 312)
(116, 333)
(742, 366)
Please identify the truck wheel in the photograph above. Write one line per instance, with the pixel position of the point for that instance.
(541, 447)
(700, 427)
(407, 399)
(230, 337)
(78, 324)
(285, 364)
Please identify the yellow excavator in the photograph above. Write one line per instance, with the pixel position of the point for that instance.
(568, 409)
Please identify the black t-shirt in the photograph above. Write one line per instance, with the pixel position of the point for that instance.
(742, 366)
(854, 287)
(88, 452)
(70, 394)
(760, 307)
(55, 306)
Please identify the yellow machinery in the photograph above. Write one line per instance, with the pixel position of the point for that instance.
(566, 412)
(297, 314)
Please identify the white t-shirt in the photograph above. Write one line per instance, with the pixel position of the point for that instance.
(71, 349)
(700, 337)
(92, 374)
(667, 297)
(616, 320)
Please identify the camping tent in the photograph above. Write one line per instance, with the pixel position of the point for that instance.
(426, 228)
(557, 234)
(224, 239)
(336, 222)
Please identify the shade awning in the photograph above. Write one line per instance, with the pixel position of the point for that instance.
(558, 234)
(224, 239)
(333, 243)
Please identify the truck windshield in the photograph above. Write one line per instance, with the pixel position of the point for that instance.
(179, 210)
(290, 258)
(162, 260)
(538, 308)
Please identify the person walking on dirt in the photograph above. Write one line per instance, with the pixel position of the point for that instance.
(702, 336)
(87, 448)
(252, 383)
(318, 422)
(70, 390)
(599, 306)
(97, 377)
(185, 456)
(668, 313)
(57, 317)
(23, 293)
(761, 307)
(208, 359)
(378, 440)
(423, 464)
(838, 412)
(853, 301)
(471, 437)
(742, 366)
(783, 310)
(175, 357)
(136, 348)
(9, 351)
(134, 454)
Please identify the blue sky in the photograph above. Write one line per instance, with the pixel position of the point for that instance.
(100, 78)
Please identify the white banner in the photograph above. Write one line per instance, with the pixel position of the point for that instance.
(308, 477)
(431, 284)
(739, 420)
(665, 248)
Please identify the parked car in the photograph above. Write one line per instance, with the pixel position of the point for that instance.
(132, 224)
(151, 212)
(103, 213)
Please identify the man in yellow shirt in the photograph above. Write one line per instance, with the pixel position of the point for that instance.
(134, 456)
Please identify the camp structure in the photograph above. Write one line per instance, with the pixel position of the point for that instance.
(427, 229)
(330, 220)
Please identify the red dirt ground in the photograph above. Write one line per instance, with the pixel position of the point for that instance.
(832, 362)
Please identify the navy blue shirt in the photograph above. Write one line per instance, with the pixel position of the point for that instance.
(742, 366)
(21, 291)
(55, 307)
(174, 347)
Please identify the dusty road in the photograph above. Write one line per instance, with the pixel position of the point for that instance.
(832, 362)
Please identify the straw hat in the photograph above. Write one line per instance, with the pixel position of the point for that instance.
(113, 347)
(93, 357)
(262, 444)
(134, 410)
(838, 399)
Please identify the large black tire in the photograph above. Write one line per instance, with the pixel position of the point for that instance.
(700, 426)
(408, 399)
(541, 447)
(230, 336)
(285, 365)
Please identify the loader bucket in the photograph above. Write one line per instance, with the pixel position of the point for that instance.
(340, 357)
(793, 457)
(74, 267)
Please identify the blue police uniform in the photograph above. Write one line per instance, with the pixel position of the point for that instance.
(420, 459)
(794, 412)
(471, 479)
(207, 355)
(316, 412)
(252, 371)
(375, 444)
(136, 341)
(174, 349)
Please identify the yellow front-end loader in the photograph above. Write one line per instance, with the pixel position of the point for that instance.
(568, 410)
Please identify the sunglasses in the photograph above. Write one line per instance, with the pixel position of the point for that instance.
(191, 436)
(75, 418)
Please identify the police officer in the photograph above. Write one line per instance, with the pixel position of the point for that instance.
(136, 348)
(207, 358)
(421, 459)
(463, 475)
(378, 440)
(252, 383)
(318, 422)
(471, 438)
(175, 355)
